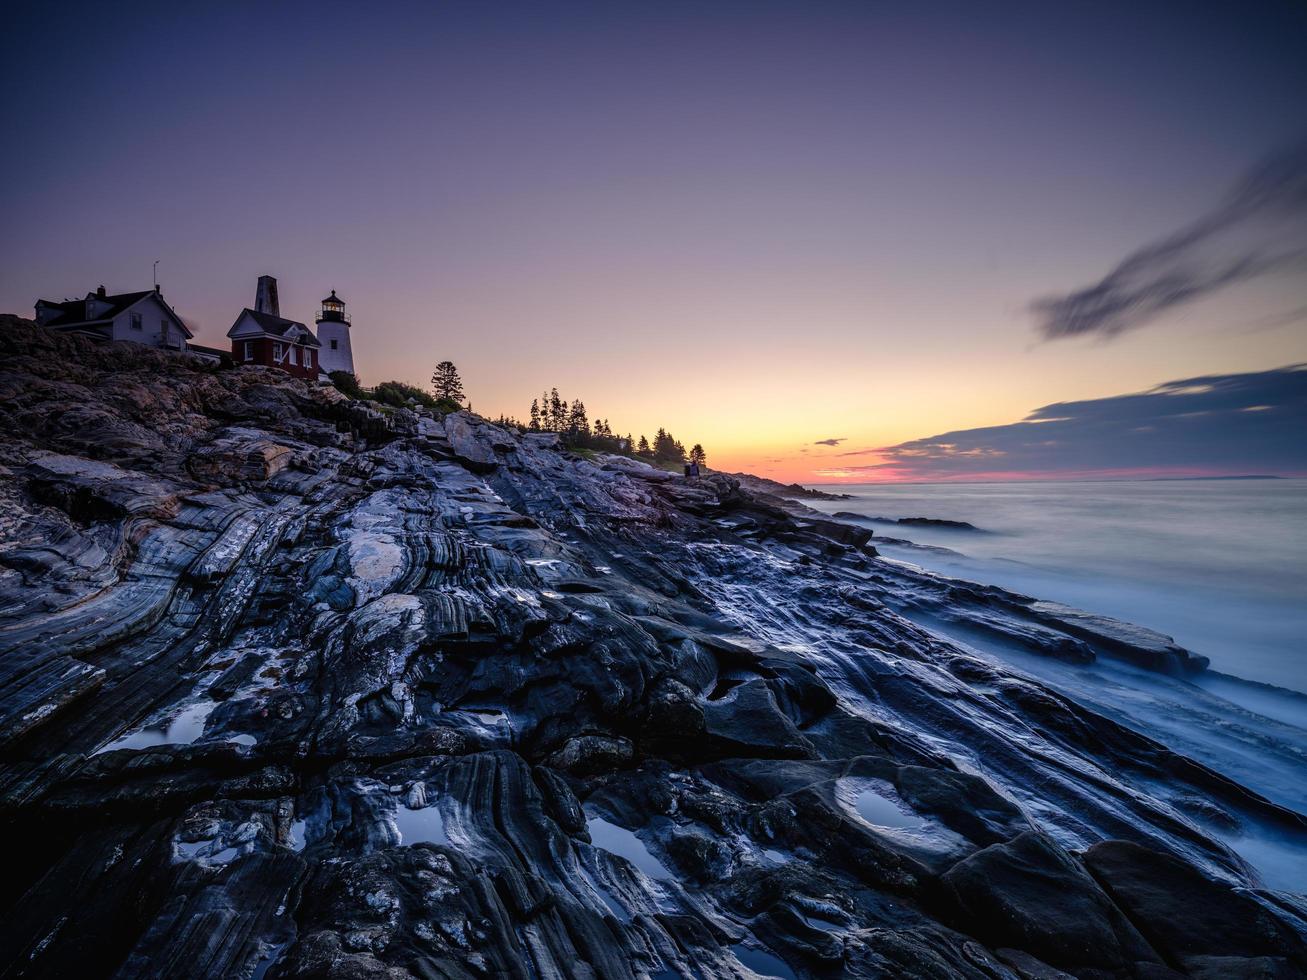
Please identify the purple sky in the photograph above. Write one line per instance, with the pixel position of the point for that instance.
(761, 225)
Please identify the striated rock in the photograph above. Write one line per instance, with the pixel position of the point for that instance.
(90, 490)
(472, 444)
(1200, 925)
(1028, 894)
(292, 688)
(585, 755)
(240, 455)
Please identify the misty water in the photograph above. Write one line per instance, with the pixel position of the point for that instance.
(1220, 565)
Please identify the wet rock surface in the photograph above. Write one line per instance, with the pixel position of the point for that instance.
(289, 688)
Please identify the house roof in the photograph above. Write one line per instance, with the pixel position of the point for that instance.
(73, 312)
(207, 351)
(276, 326)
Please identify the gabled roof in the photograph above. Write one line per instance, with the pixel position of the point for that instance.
(275, 326)
(73, 312)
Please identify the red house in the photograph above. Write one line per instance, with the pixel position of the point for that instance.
(263, 336)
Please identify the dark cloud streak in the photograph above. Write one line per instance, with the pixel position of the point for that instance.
(1258, 230)
(1217, 424)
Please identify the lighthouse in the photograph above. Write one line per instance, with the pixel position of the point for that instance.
(333, 334)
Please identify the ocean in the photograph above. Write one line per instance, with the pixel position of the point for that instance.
(1220, 565)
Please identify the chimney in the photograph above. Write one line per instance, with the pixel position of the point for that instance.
(265, 298)
(100, 292)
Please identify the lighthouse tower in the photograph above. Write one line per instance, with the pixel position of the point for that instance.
(333, 334)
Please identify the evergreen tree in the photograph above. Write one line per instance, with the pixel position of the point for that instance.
(643, 446)
(535, 415)
(666, 449)
(557, 412)
(578, 426)
(697, 455)
(446, 382)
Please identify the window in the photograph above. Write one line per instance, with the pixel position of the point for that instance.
(334, 344)
(136, 321)
(308, 358)
(278, 353)
(293, 358)
(249, 350)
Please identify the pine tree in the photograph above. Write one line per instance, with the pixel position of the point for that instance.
(643, 447)
(446, 382)
(557, 411)
(697, 455)
(535, 415)
(666, 449)
(578, 426)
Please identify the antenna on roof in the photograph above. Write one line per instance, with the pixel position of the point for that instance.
(156, 275)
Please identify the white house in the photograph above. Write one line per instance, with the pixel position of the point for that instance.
(142, 318)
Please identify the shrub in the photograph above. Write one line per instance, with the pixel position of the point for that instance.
(346, 384)
(399, 394)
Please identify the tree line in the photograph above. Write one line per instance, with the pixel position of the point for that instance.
(551, 412)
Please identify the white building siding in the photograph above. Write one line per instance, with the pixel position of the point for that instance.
(339, 358)
(156, 327)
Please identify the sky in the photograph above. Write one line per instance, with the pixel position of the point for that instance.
(814, 237)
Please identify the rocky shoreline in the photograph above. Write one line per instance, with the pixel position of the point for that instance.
(290, 687)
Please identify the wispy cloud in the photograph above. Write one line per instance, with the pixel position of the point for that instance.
(1212, 425)
(1259, 229)
(831, 442)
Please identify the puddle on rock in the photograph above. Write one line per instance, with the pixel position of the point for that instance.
(204, 850)
(762, 962)
(615, 907)
(881, 811)
(268, 961)
(491, 717)
(426, 824)
(622, 842)
(185, 727)
(874, 801)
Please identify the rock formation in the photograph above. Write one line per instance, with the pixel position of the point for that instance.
(293, 688)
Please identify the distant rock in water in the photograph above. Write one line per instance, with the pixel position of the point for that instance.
(848, 515)
(760, 484)
(290, 687)
(937, 522)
